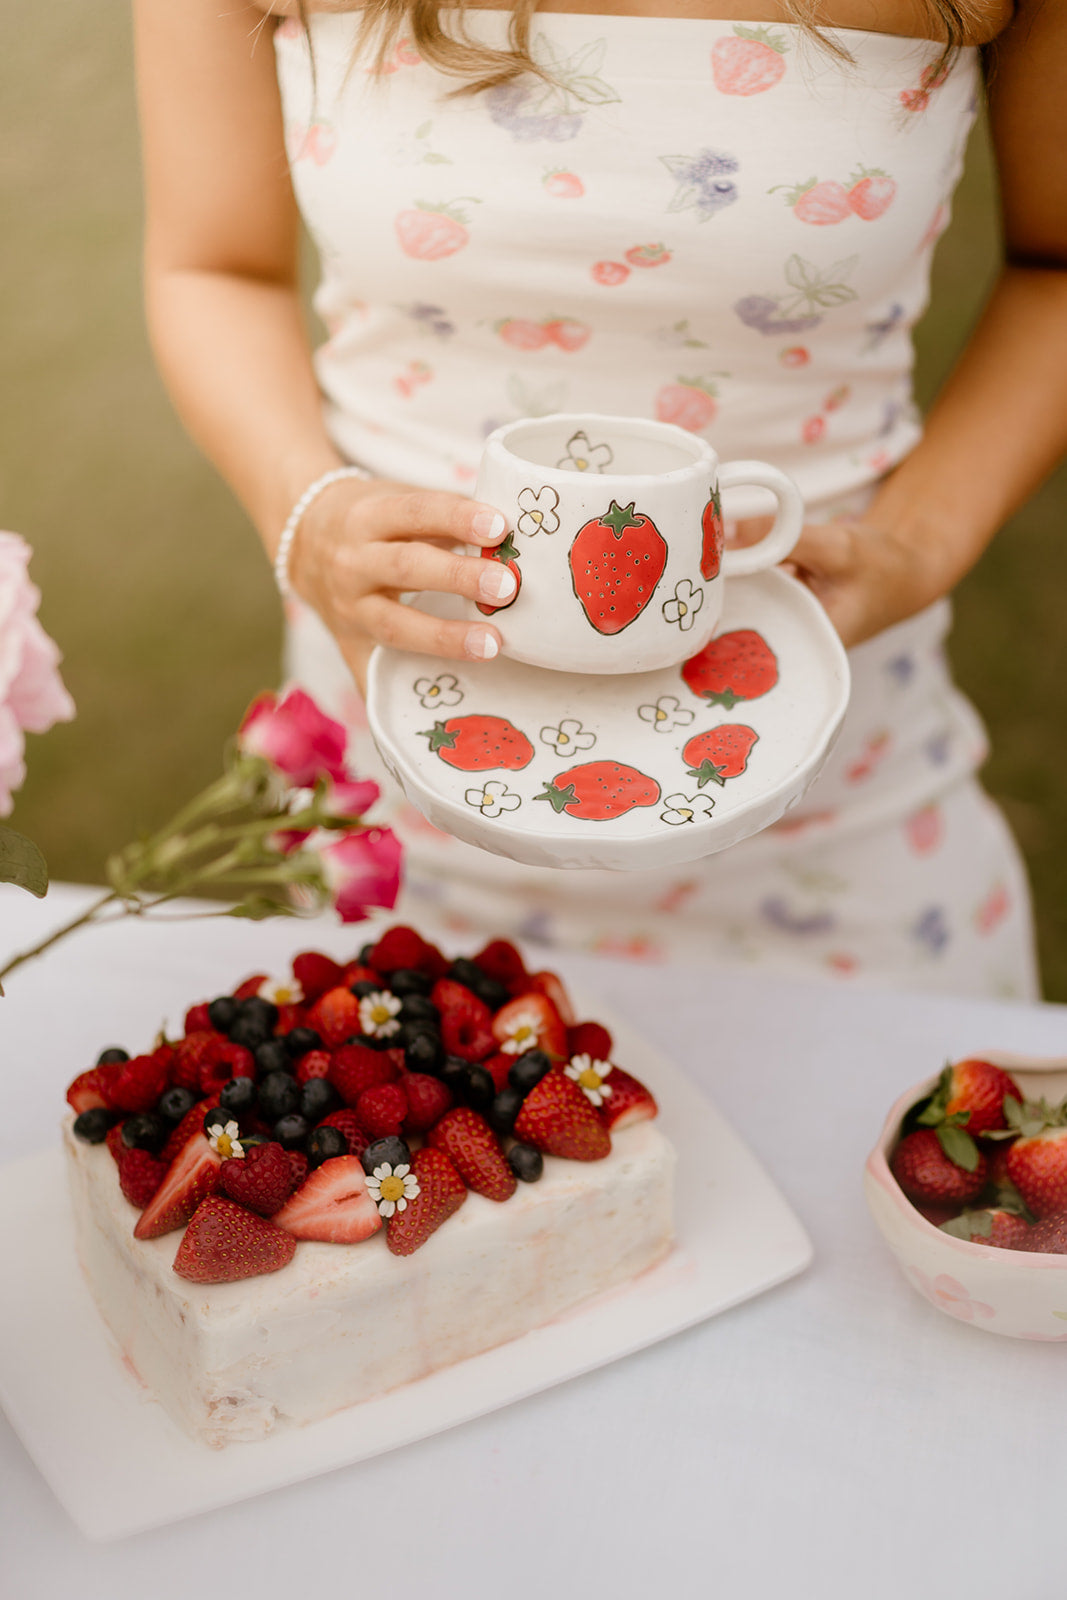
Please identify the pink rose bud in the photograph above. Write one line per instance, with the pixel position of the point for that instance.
(362, 870)
(301, 741)
(32, 695)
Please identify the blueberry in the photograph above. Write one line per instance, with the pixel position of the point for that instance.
(265, 1012)
(318, 1098)
(528, 1070)
(273, 1056)
(291, 1132)
(174, 1103)
(526, 1162)
(324, 1144)
(423, 1052)
(370, 1041)
(480, 1090)
(300, 1040)
(249, 1031)
(112, 1056)
(365, 955)
(392, 1149)
(416, 1008)
(93, 1125)
(145, 1131)
(504, 1109)
(363, 987)
(223, 1013)
(238, 1096)
(406, 980)
(278, 1095)
(491, 992)
(454, 1075)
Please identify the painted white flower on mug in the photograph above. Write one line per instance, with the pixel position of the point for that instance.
(568, 737)
(585, 457)
(665, 714)
(441, 691)
(687, 808)
(493, 798)
(537, 511)
(684, 605)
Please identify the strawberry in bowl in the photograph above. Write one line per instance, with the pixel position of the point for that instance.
(968, 1186)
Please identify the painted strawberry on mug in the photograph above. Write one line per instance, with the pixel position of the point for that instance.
(507, 552)
(479, 743)
(714, 537)
(430, 232)
(736, 666)
(749, 63)
(598, 791)
(719, 753)
(616, 561)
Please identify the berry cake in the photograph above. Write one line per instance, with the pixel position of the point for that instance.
(338, 1184)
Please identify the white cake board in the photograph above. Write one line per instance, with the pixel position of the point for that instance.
(117, 1463)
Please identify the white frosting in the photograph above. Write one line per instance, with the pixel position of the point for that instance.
(343, 1323)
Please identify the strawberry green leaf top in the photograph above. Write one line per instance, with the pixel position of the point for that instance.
(619, 518)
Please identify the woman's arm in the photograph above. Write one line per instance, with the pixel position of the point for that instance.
(999, 425)
(226, 322)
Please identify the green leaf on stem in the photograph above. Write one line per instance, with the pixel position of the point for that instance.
(258, 907)
(22, 863)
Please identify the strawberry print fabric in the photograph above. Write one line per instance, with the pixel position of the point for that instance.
(717, 225)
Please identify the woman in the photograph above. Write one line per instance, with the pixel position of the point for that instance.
(725, 223)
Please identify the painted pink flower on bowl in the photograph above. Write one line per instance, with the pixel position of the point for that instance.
(301, 741)
(948, 1294)
(362, 870)
(32, 694)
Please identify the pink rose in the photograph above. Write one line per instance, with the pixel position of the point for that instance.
(351, 798)
(294, 736)
(362, 870)
(32, 695)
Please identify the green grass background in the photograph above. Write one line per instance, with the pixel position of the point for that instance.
(153, 582)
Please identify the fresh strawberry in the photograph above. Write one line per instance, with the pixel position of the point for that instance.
(1005, 1230)
(203, 1062)
(428, 1099)
(937, 1215)
(500, 960)
(251, 986)
(530, 1022)
(926, 1173)
(140, 1175)
(316, 974)
(558, 1119)
(192, 1176)
(197, 1019)
(298, 1166)
(90, 1089)
(356, 1067)
(479, 743)
(550, 984)
(589, 1039)
(192, 1122)
(382, 1110)
(735, 666)
(316, 1064)
(349, 1124)
(224, 1242)
(476, 1153)
(403, 947)
(598, 791)
(441, 1193)
(357, 972)
(466, 1021)
(335, 1016)
(115, 1147)
(1049, 1236)
(498, 1066)
(139, 1082)
(629, 1101)
(261, 1180)
(290, 1016)
(1037, 1162)
(332, 1204)
(969, 1096)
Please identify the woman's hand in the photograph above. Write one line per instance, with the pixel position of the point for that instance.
(361, 545)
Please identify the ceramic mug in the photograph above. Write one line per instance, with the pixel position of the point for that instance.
(615, 537)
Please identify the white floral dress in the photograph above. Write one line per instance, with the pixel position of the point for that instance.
(722, 226)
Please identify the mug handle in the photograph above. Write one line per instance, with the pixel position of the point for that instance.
(777, 544)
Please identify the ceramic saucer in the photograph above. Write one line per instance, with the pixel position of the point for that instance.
(562, 769)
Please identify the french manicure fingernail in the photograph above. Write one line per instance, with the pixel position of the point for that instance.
(481, 645)
(496, 583)
(488, 524)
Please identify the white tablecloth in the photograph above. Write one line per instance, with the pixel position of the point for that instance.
(835, 1438)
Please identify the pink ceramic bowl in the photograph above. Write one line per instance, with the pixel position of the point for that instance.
(1003, 1291)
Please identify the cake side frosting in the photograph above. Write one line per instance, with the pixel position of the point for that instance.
(344, 1323)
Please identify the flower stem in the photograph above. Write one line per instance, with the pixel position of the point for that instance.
(60, 933)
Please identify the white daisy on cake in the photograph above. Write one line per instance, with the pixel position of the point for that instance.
(392, 1187)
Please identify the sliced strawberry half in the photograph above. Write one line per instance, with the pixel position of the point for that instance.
(551, 985)
(557, 1117)
(224, 1243)
(193, 1175)
(89, 1089)
(441, 1193)
(332, 1205)
(530, 1022)
(629, 1101)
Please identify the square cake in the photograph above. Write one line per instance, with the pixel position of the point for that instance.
(262, 1266)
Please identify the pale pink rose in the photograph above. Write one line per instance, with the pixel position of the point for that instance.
(32, 695)
(362, 870)
(296, 737)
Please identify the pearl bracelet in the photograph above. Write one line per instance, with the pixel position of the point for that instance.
(285, 543)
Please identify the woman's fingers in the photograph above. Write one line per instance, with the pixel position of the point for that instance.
(405, 565)
(408, 628)
(430, 514)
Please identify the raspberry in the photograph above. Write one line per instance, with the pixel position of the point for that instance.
(428, 1099)
(356, 1067)
(403, 947)
(382, 1110)
(262, 1180)
(113, 1140)
(205, 1061)
(197, 1021)
(90, 1089)
(140, 1175)
(316, 1064)
(335, 1016)
(298, 1164)
(356, 972)
(316, 973)
(589, 1039)
(349, 1124)
(466, 1021)
(139, 1083)
(501, 960)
